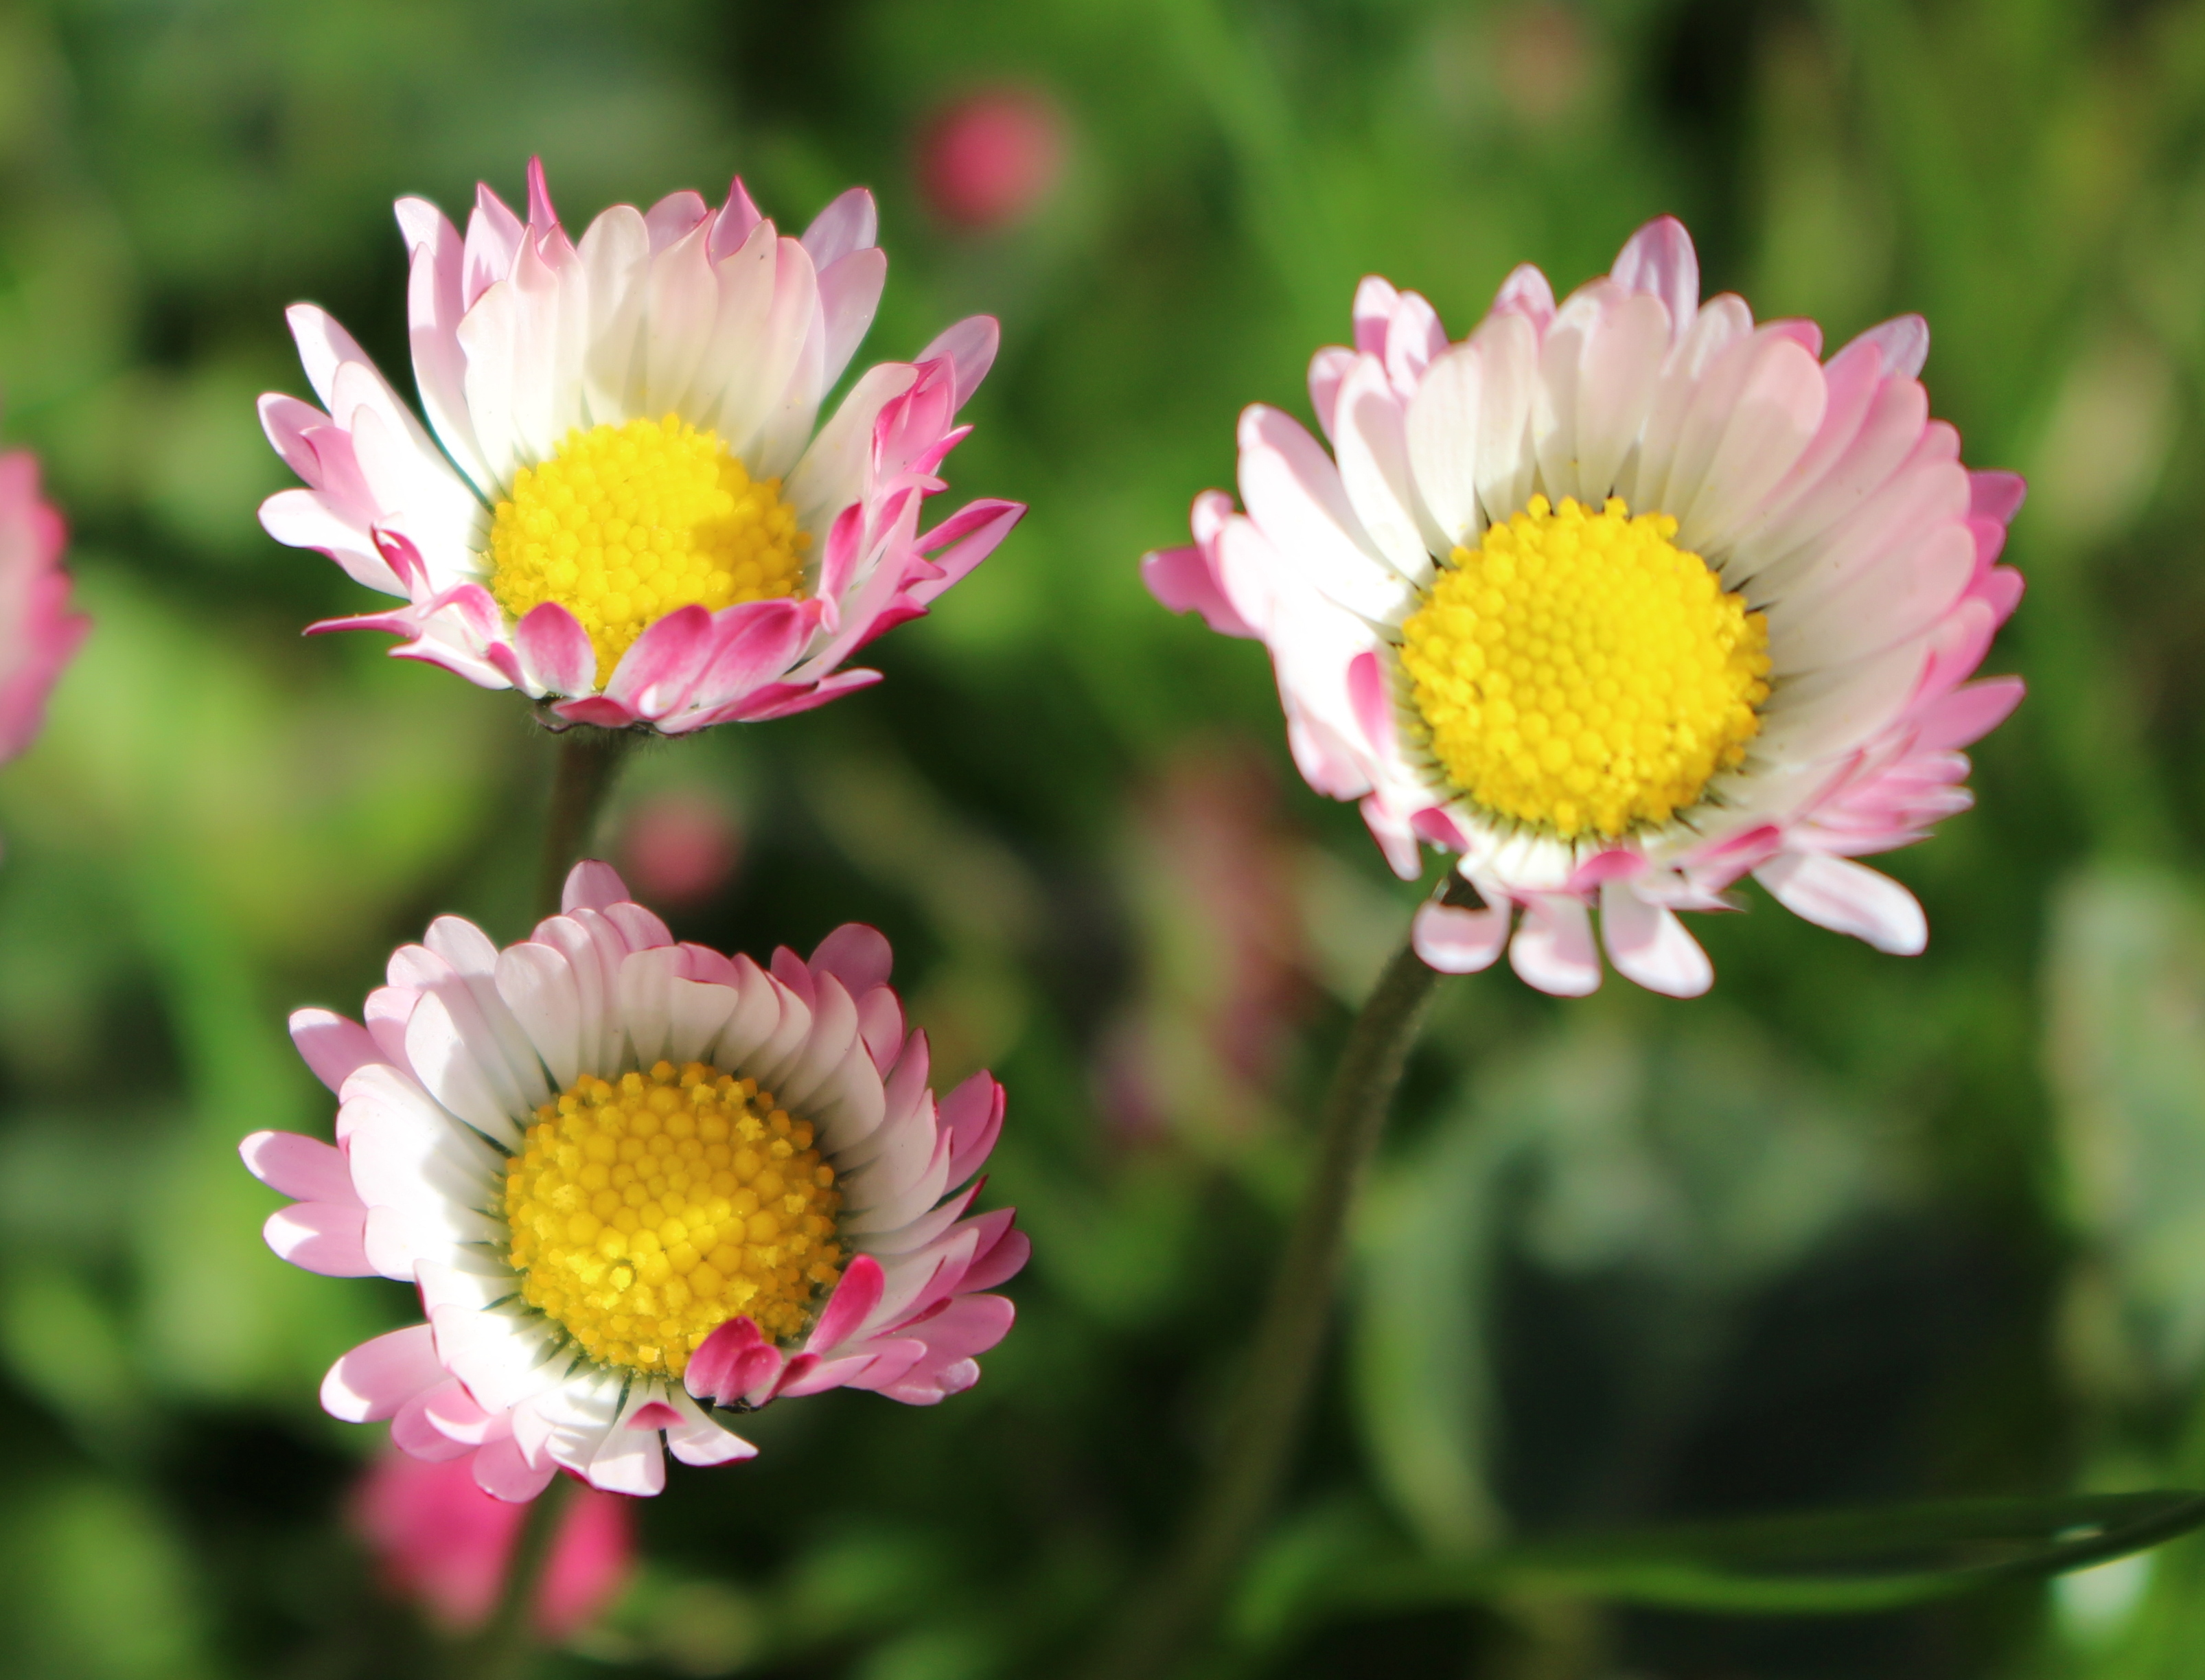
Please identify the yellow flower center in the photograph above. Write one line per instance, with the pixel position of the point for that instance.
(1581, 672)
(646, 1212)
(626, 523)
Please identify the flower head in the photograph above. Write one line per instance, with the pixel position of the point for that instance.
(444, 1541)
(628, 1175)
(37, 632)
(1619, 601)
(623, 510)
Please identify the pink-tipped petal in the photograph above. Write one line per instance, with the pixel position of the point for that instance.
(970, 349)
(303, 1168)
(555, 650)
(1650, 945)
(502, 1472)
(591, 885)
(1659, 260)
(329, 1238)
(334, 1047)
(1456, 941)
(1552, 949)
(851, 1305)
(856, 955)
(1904, 343)
(372, 1381)
(1846, 898)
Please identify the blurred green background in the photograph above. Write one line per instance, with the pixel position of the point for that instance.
(1851, 1228)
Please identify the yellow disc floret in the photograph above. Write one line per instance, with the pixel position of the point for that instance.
(646, 1210)
(1580, 672)
(624, 523)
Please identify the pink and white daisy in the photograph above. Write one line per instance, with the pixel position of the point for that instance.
(1619, 601)
(628, 1175)
(37, 632)
(623, 510)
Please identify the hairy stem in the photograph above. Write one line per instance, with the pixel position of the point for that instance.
(589, 761)
(1182, 1599)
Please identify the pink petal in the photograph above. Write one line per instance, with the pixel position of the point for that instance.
(970, 1118)
(334, 1047)
(1659, 260)
(503, 1472)
(705, 1376)
(1968, 713)
(414, 1433)
(324, 1237)
(1526, 293)
(656, 674)
(372, 1381)
(1459, 941)
(856, 955)
(1904, 343)
(555, 651)
(1996, 496)
(734, 222)
(1848, 898)
(979, 528)
(303, 1168)
(848, 224)
(1327, 368)
(1649, 945)
(1373, 705)
(1552, 949)
(1373, 311)
(970, 348)
(997, 1263)
(970, 1325)
(591, 885)
(850, 1306)
(758, 641)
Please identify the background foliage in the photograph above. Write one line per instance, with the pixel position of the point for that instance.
(1852, 1228)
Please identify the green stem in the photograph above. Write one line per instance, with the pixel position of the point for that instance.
(502, 1649)
(589, 760)
(1182, 1599)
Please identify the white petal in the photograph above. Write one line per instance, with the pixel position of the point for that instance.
(1371, 441)
(1443, 432)
(1508, 352)
(615, 252)
(1293, 490)
(448, 1065)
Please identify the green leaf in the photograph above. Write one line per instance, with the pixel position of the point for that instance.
(1827, 1563)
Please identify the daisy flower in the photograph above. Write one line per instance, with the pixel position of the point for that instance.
(1619, 601)
(638, 1182)
(623, 510)
(37, 632)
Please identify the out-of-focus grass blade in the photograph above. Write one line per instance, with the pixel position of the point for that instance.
(1829, 1564)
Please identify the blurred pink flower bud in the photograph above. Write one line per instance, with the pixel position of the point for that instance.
(989, 158)
(679, 847)
(445, 1544)
(38, 633)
